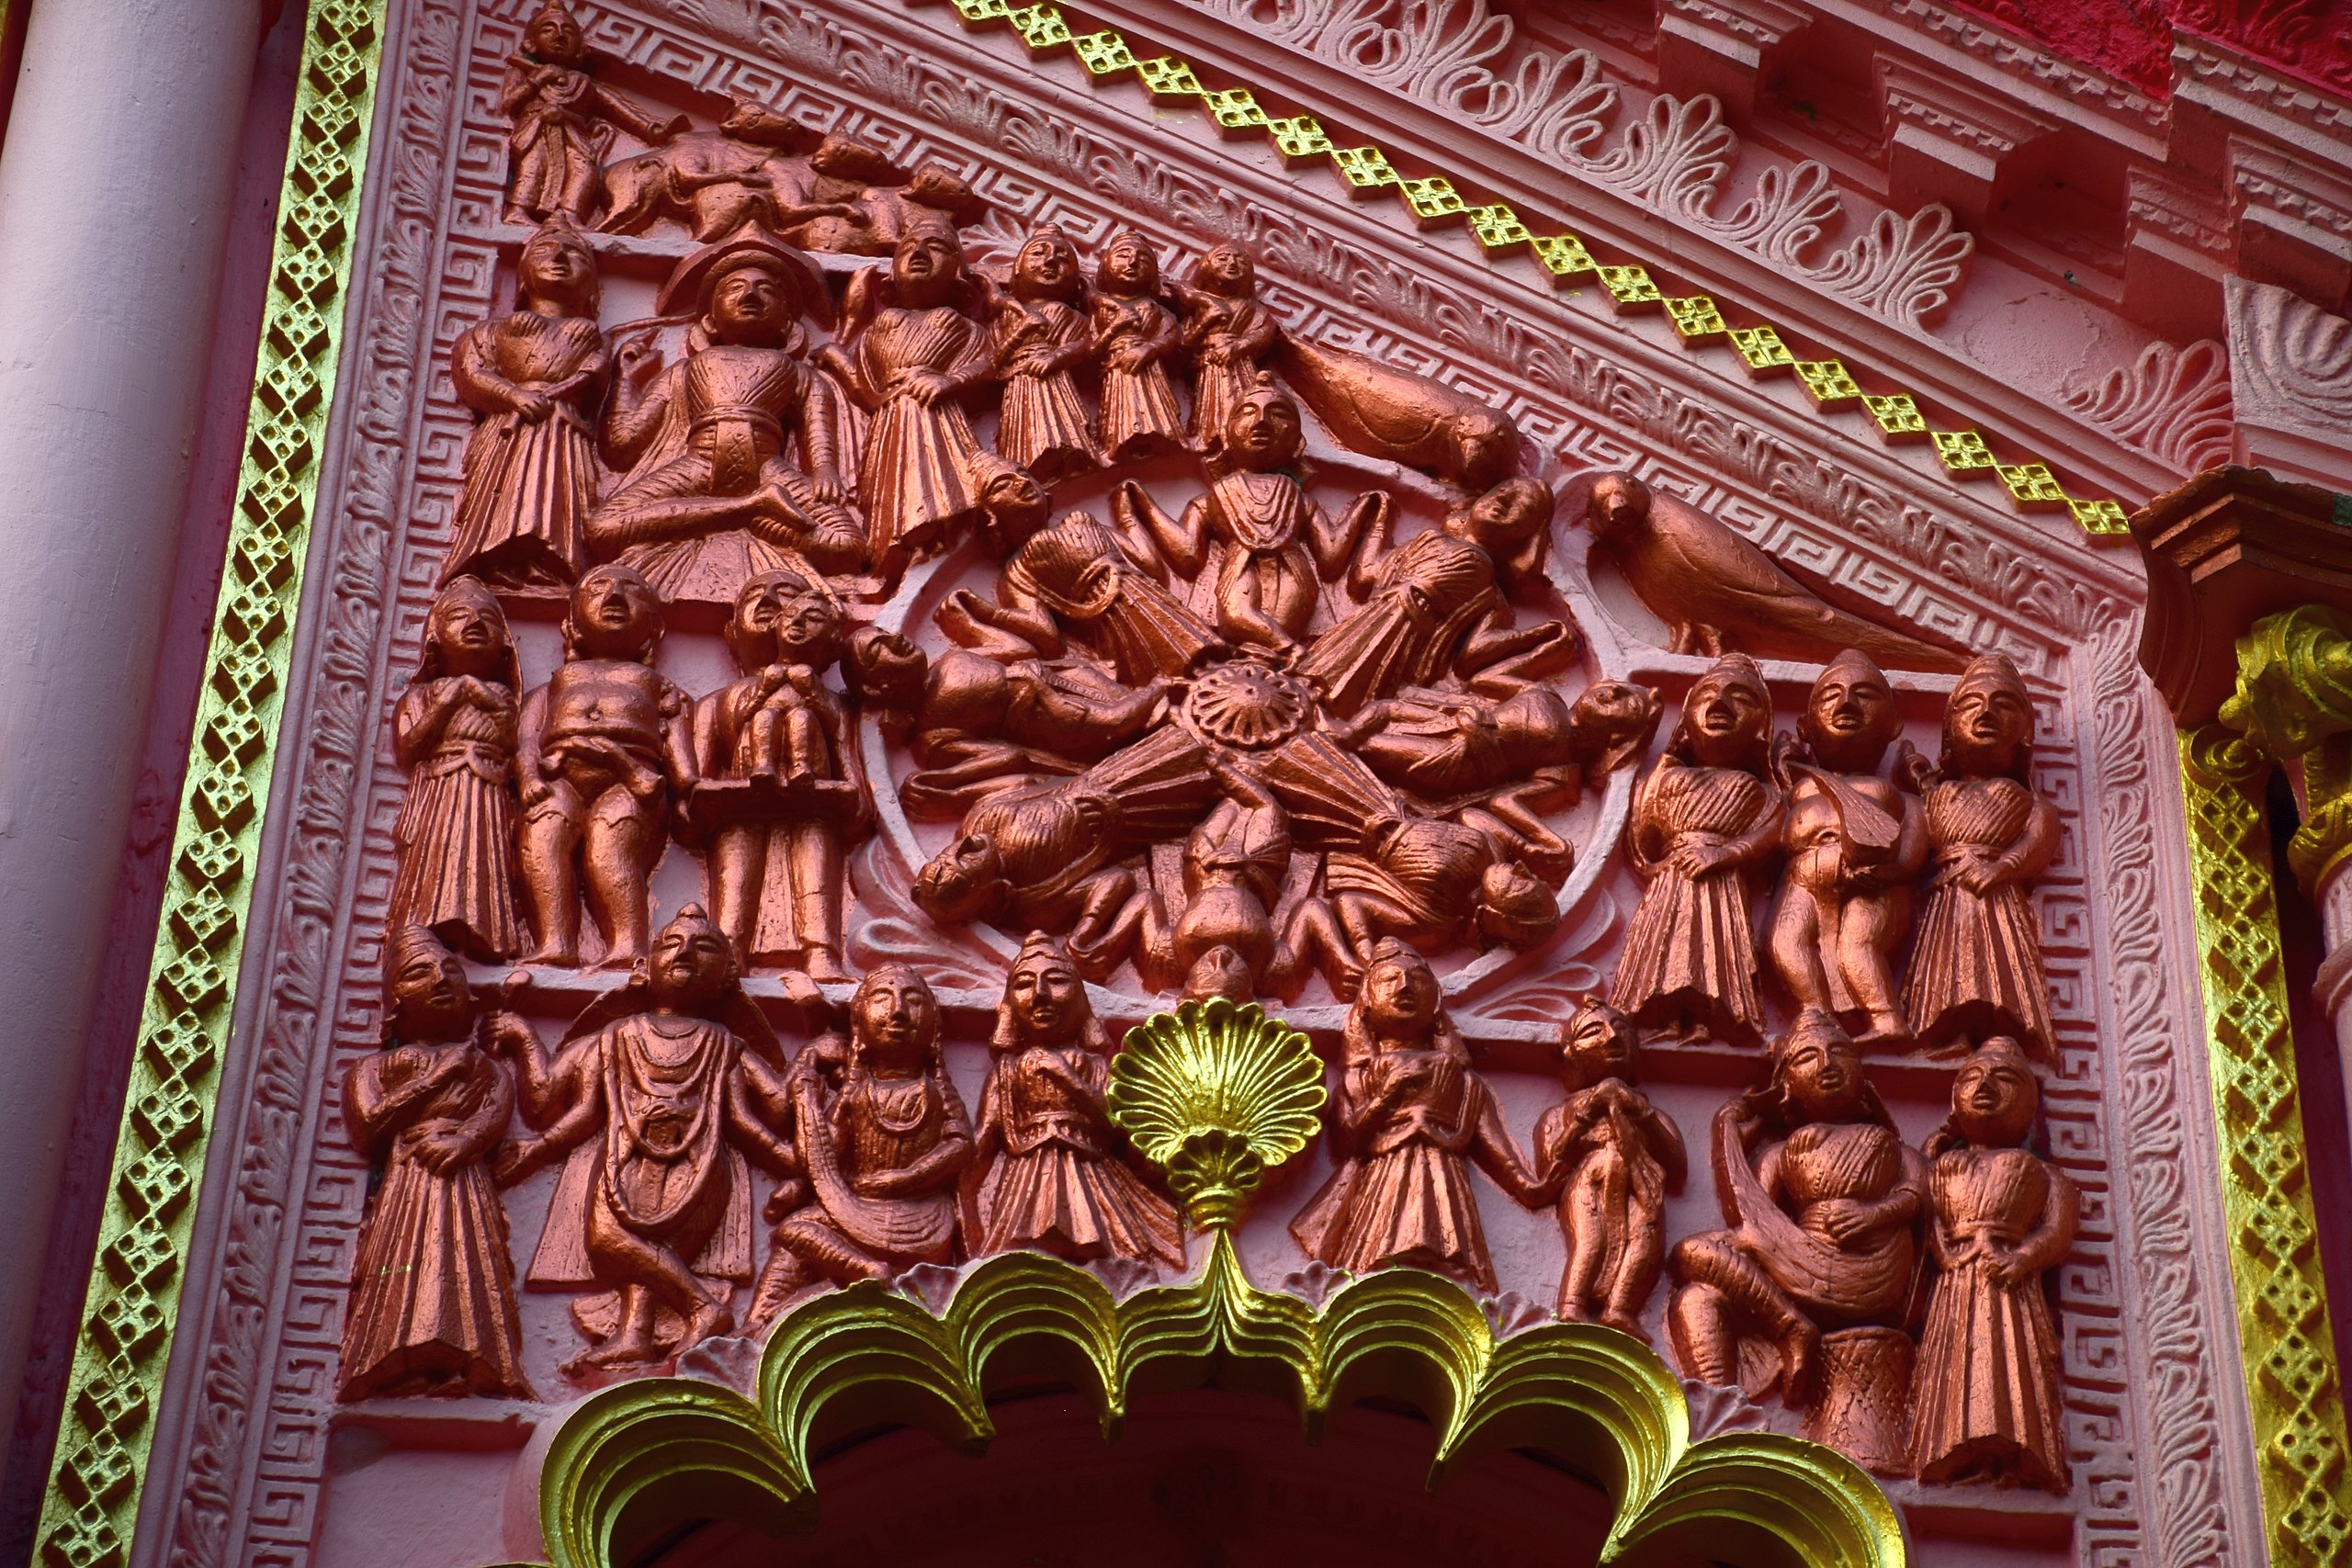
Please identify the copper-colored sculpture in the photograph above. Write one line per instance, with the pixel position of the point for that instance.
(1985, 1401)
(1715, 590)
(749, 172)
(555, 106)
(1976, 971)
(1819, 1267)
(712, 499)
(1039, 334)
(433, 1287)
(781, 789)
(1046, 1161)
(1228, 334)
(1705, 818)
(1135, 337)
(537, 376)
(657, 1095)
(1441, 605)
(1612, 1157)
(606, 749)
(1270, 547)
(1076, 577)
(885, 1139)
(454, 731)
(911, 356)
(1411, 1117)
(1854, 843)
(1383, 412)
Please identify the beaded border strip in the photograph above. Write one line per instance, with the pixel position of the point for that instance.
(2285, 1340)
(132, 1306)
(1502, 232)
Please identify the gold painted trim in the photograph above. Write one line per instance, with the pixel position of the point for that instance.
(1502, 231)
(2293, 1391)
(636, 1459)
(133, 1307)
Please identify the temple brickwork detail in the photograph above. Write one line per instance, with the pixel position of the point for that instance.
(880, 637)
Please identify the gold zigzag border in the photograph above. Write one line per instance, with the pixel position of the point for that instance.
(1502, 232)
(133, 1307)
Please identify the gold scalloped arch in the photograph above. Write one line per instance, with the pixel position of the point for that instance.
(654, 1452)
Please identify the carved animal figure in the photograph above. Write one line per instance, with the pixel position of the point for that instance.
(1383, 412)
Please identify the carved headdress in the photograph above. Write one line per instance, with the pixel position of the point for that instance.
(1993, 672)
(691, 282)
(558, 230)
(1040, 951)
(430, 665)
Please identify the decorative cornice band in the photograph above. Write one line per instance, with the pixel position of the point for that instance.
(133, 1307)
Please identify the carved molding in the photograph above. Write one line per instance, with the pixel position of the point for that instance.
(2291, 364)
(2173, 403)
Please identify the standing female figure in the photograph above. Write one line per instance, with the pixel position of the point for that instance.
(1410, 1118)
(1704, 816)
(454, 731)
(1039, 335)
(1047, 1156)
(433, 1290)
(1229, 332)
(555, 146)
(537, 377)
(1976, 970)
(1984, 1401)
(1135, 335)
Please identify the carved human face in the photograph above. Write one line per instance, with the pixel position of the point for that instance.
(1823, 1077)
(555, 37)
(1048, 999)
(963, 881)
(1514, 909)
(691, 965)
(1399, 994)
(468, 630)
(1610, 716)
(1984, 724)
(558, 269)
(1262, 432)
(1130, 266)
(925, 267)
(1995, 1099)
(430, 1000)
(1725, 716)
(1599, 1045)
(1047, 268)
(750, 304)
(615, 614)
(1616, 507)
(894, 1018)
(1227, 270)
(781, 616)
(1851, 715)
(889, 668)
(1016, 504)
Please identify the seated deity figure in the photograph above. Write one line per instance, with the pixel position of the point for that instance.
(1227, 333)
(607, 750)
(537, 376)
(554, 108)
(885, 1139)
(1706, 816)
(1410, 1119)
(1136, 339)
(781, 790)
(1038, 332)
(1613, 1157)
(653, 1101)
(1854, 843)
(1976, 969)
(1439, 605)
(910, 357)
(1985, 1402)
(1499, 766)
(976, 725)
(433, 1287)
(712, 497)
(1817, 1272)
(1078, 581)
(1275, 546)
(1047, 1170)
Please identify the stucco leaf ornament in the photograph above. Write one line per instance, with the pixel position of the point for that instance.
(1215, 1095)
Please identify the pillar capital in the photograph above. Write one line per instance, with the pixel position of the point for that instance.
(2294, 701)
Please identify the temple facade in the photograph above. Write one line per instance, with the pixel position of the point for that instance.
(1180, 782)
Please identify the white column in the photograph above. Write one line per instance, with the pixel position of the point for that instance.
(116, 177)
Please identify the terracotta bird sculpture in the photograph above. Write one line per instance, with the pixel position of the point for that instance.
(1721, 593)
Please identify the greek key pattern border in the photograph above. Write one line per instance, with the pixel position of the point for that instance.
(2293, 1391)
(132, 1306)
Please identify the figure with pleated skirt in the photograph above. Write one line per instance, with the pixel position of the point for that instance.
(537, 376)
(456, 731)
(1976, 968)
(1229, 334)
(1039, 333)
(1136, 338)
(433, 1287)
(1705, 820)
